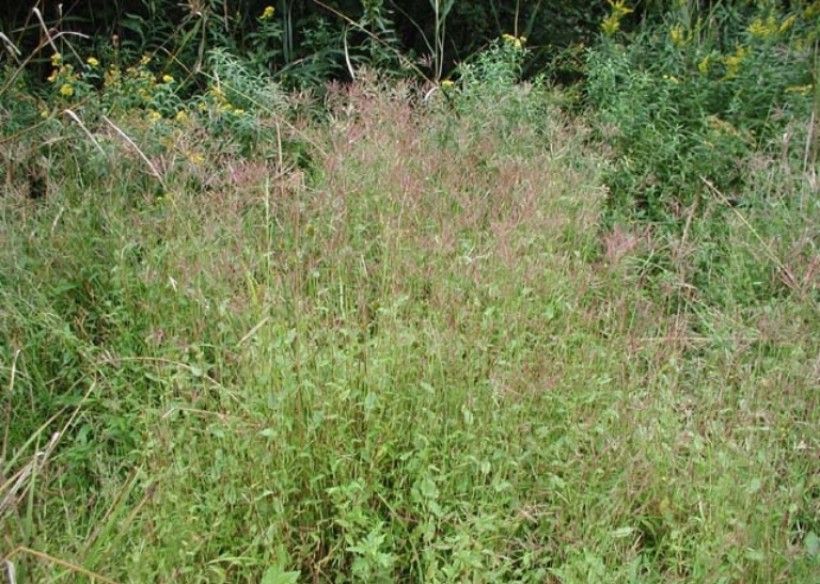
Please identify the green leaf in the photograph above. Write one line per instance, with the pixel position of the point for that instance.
(428, 488)
(278, 575)
(622, 532)
(812, 543)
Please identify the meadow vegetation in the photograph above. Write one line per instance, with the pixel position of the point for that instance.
(486, 329)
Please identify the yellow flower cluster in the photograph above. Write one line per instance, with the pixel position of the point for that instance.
(92, 62)
(514, 41)
(764, 29)
(677, 35)
(723, 127)
(267, 13)
(447, 84)
(733, 61)
(195, 158)
(769, 28)
(612, 23)
(788, 23)
(704, 65)
(63, 76)
(112, 77)
(223, 104)
(800, 89)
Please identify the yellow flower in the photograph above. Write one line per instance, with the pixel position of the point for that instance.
(268, 13)
(145, 60)
(723, 127)
(112, 77)
(704, 64)
(788, 23)
(447, 84)
(196, 158)
(677, 35)
(53, 77)
(801, 89)
(154, 116)
(620, 8)
(763, 28)
(733, 62)
(671, 79)
(611, 24)
(44, 113)
(92, 62)
(56, 59)
(66, 90)
(517, 42)
(182, 117)
(167, 79)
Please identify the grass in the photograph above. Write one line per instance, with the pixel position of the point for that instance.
(418, 356)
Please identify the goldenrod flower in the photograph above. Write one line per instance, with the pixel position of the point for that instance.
(733, 62)
(677, 35)
(268, 13)
(154, 116)
(763, 28)
(704, 64)
(145, 60)
(788, 23)
(112, 77)
(512, 40)
(56, 59)
(182, 117)
(620, 8)
(610, 25)
(66, 90)
(447, 84)
(801, 89)
(92, 62)
(167, 79)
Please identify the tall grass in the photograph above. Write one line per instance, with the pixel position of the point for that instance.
(398, 343)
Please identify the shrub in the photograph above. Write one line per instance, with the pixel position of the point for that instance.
(693, 96)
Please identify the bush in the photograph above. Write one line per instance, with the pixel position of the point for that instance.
(693, 97)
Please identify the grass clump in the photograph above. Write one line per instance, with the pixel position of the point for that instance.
(398, 342)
